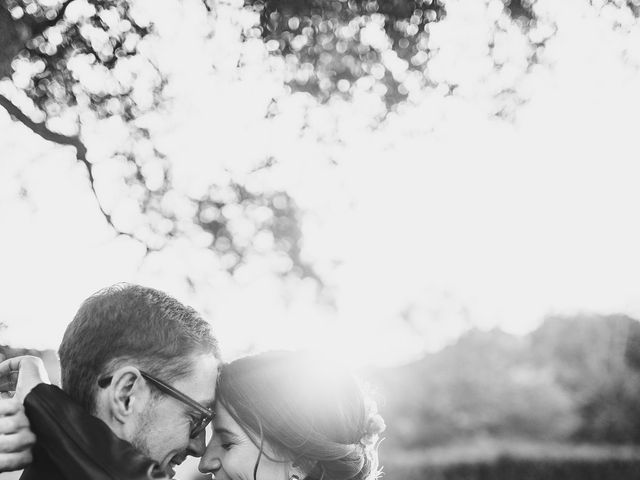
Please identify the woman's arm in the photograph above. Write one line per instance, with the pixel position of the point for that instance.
(75, 443)
(81, 445)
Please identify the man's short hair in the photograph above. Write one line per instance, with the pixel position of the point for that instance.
(132, 324)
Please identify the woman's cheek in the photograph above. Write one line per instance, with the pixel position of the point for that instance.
(238, 466)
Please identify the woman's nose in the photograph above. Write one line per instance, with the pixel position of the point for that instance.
(209, 466)
(210, 462)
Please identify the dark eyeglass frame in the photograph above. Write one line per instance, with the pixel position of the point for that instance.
(206, 414)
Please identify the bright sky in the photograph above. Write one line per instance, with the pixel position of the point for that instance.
(444, 215)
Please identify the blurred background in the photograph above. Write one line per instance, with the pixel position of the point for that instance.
(442, 194)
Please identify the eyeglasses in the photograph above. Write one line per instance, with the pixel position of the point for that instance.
(198, 425)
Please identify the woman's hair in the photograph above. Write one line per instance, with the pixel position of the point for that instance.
(307, 410)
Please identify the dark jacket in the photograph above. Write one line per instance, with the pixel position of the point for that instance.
(74, 445)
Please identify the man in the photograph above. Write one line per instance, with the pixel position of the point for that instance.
(145, 365)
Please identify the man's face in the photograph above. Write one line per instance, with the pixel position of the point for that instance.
(163, 428)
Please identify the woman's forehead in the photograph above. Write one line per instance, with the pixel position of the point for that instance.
(224, 420)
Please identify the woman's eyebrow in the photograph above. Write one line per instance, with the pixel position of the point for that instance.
(222, 430)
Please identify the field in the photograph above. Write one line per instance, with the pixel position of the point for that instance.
(517, 461)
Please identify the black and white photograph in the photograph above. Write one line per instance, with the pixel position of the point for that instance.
(319, 239)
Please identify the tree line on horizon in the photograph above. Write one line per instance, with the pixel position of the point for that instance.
(575, 379)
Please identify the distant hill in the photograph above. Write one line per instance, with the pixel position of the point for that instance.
(576, 378)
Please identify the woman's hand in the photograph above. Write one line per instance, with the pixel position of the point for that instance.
(21, 375)
(16, 437)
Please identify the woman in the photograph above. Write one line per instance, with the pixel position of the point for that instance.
(288, 413)
(279, 416)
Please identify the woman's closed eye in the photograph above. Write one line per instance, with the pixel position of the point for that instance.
(224, 438)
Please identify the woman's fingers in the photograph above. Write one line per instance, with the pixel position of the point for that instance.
(17, 442)
(12, 418)
(16, 437)
(13, 423)
(10, 365)
(9, 373)
(8, 382)
(9, 406)
(15, 461)
(30, 370)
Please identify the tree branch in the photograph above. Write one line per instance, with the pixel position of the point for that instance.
(207, 6)
(41, 129)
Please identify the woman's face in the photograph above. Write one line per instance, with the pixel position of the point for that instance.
(231, 455)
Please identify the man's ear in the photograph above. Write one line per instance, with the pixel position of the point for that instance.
(127, 394)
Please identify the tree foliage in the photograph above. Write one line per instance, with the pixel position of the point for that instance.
(69, 64)
(337, 47)
(330, 45)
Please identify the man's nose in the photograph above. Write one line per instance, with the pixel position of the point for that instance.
(197, 445)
